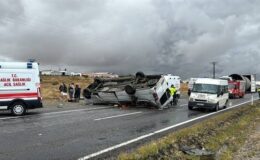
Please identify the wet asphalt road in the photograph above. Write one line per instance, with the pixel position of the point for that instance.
(72, 134)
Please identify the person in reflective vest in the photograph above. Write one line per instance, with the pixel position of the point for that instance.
(173, 93)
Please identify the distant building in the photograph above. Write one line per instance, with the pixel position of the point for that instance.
(75, 74)
(102, 75)
(53, 73)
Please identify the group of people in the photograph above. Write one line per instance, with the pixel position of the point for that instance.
(71, 93)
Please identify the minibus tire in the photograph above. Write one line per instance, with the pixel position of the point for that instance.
(190, 107)
(87, 93)
(129, 89)
(217, 108)
(140, 75)
(18, 108)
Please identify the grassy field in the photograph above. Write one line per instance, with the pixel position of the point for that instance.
(50, 85)
(223, 135)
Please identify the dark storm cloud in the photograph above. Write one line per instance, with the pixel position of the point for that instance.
(155, 36)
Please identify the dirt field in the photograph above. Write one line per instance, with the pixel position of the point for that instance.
(50, 85)
(184, 87)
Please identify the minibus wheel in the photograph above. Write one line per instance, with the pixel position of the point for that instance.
(129, 89)
(217, 107)
(18, 108)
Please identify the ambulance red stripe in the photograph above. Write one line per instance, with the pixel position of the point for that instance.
(18, 95)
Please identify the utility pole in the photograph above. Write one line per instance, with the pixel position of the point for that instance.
(214, 69)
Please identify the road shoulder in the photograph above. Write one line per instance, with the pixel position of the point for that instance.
(251, 148)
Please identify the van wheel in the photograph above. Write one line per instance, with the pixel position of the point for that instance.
(129, 89)
(217, 107)
(140, 75)
(18, 108)
(190, 107)
(226, 104)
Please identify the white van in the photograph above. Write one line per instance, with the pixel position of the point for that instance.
(19, 87)
(191, 83)
(139, 89)
(209, 93)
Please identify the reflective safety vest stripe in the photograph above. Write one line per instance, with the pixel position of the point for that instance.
(172, 91)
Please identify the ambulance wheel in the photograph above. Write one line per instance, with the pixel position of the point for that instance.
(18, 108)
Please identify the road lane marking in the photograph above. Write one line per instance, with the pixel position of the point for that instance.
(75, 110)
(116, 116)
(56, 113)
(156, 132)
(183, 105)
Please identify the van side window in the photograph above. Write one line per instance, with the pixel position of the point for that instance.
(219, 89)
(226, 89)
(162, 82)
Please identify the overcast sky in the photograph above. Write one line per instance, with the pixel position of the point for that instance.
(124, 36)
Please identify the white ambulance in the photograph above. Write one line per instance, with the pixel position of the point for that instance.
(19, 87)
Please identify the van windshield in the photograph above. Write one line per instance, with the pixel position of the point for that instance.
(205, 88)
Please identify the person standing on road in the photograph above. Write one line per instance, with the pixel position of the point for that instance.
(258, 90)
(77, 93)
(173, 94)
(71, 92)
(63, 92)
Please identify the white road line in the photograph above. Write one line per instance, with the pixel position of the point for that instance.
(155, 132)
(183, 105)
(10, 118)
(116, 116)
(75, 110)
(56, 113)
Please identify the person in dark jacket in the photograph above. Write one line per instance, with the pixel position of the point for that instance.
(77, 93)
(63, 92)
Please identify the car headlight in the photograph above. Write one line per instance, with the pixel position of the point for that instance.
(212, 100)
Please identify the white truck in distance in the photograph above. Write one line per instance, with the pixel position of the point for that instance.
(209, 93)
(19, 87)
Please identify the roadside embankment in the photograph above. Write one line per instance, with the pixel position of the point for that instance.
(219, 137)
(50, 85)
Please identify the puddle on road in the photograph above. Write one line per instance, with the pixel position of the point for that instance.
(102, 138)
(165, 121)
(146, 128)
(194, 113)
